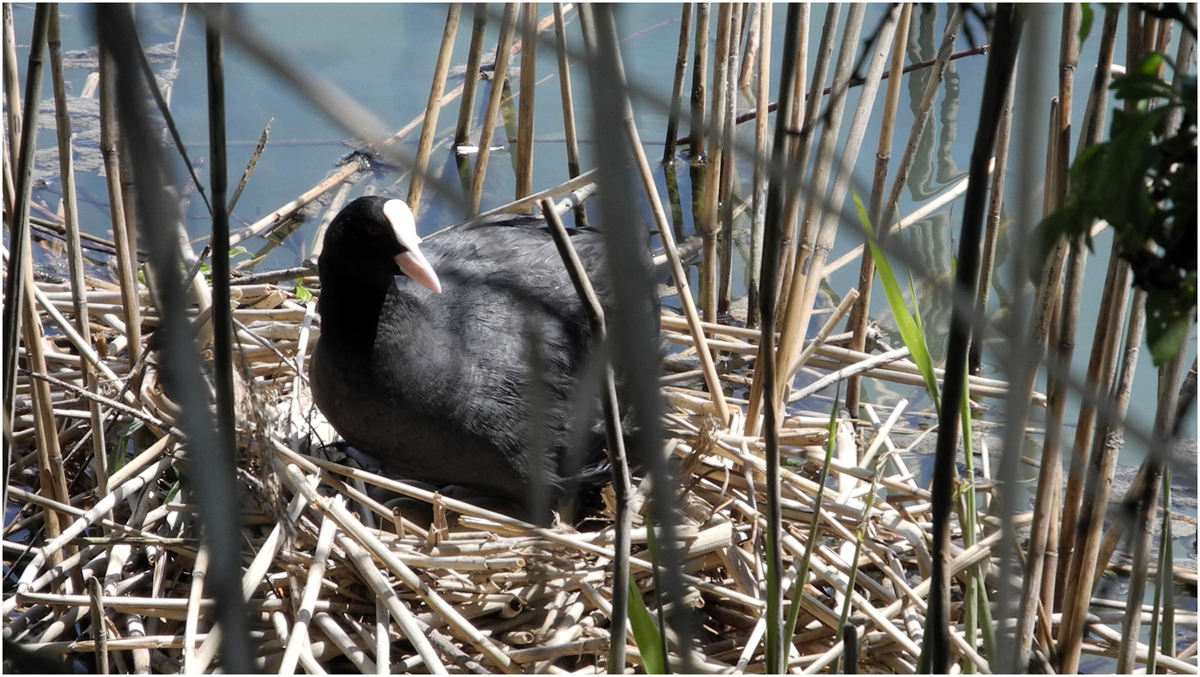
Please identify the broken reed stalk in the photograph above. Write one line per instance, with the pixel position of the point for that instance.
(507, 26)
(728, 177)
(74, 249)
(883, 156)
(568, 100)
(527, 88)
(434, 107)
(1001, 64)
(1041, 558)
(709, 225)
(622, 485)
(681, 63)
(992, 235)
(800, 151)
(759, 181)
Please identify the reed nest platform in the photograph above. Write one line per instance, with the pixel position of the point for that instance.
(337, 581)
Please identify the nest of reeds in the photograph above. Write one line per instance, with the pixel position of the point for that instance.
(337, 578)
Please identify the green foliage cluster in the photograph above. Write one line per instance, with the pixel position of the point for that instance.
(1142, 181)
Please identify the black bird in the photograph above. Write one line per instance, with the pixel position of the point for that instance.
(423, 359)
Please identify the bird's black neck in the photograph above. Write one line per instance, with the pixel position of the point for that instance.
(350, 308)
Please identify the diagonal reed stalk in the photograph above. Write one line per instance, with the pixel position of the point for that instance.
(883, 156)
(500, 76)
(622, 486)
(800, 151)
(428, 128)
(74, 249)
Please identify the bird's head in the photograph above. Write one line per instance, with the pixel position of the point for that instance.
(375, 236)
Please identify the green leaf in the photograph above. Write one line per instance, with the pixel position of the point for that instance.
(645, 633)
(1085, 22)
(1168, 323)
(238, 251)
(910, 330)
(303, 295)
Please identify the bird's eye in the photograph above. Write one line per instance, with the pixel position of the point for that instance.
(373, 229)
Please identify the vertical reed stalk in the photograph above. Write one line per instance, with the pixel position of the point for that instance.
(528, 85)
(74, 248)
(883, 156)
(801, 149)
(759, 189)
(1170, 375)
(218, 179)
(728, 167)
(466, 111)
(696, 130)
(975, 358)
(212, 474)
(816, 235)
(126, 260)
(753, 40)
(1001, 64)
(1089, 561)
(1102, 362)
(777, 644)
(15, 293)
(568, 99)
(1041, 560)
(499, 79)
(12, 86)
(633, 327)
(798, 159)
(681, 62)
(434, 107)
(708, 225)
(953, 26)
(622, 485)
(829, 214)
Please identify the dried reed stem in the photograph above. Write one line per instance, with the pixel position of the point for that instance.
(681, 62)
(503, 47)
(434, 107)
(568, 99)
(528, 83)
(1040, 560)
(883, 155)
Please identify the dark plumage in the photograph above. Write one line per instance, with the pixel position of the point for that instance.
(436, 385)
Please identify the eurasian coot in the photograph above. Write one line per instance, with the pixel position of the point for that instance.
(423, 356)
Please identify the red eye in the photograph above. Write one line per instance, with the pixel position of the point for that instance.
(373, 229)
